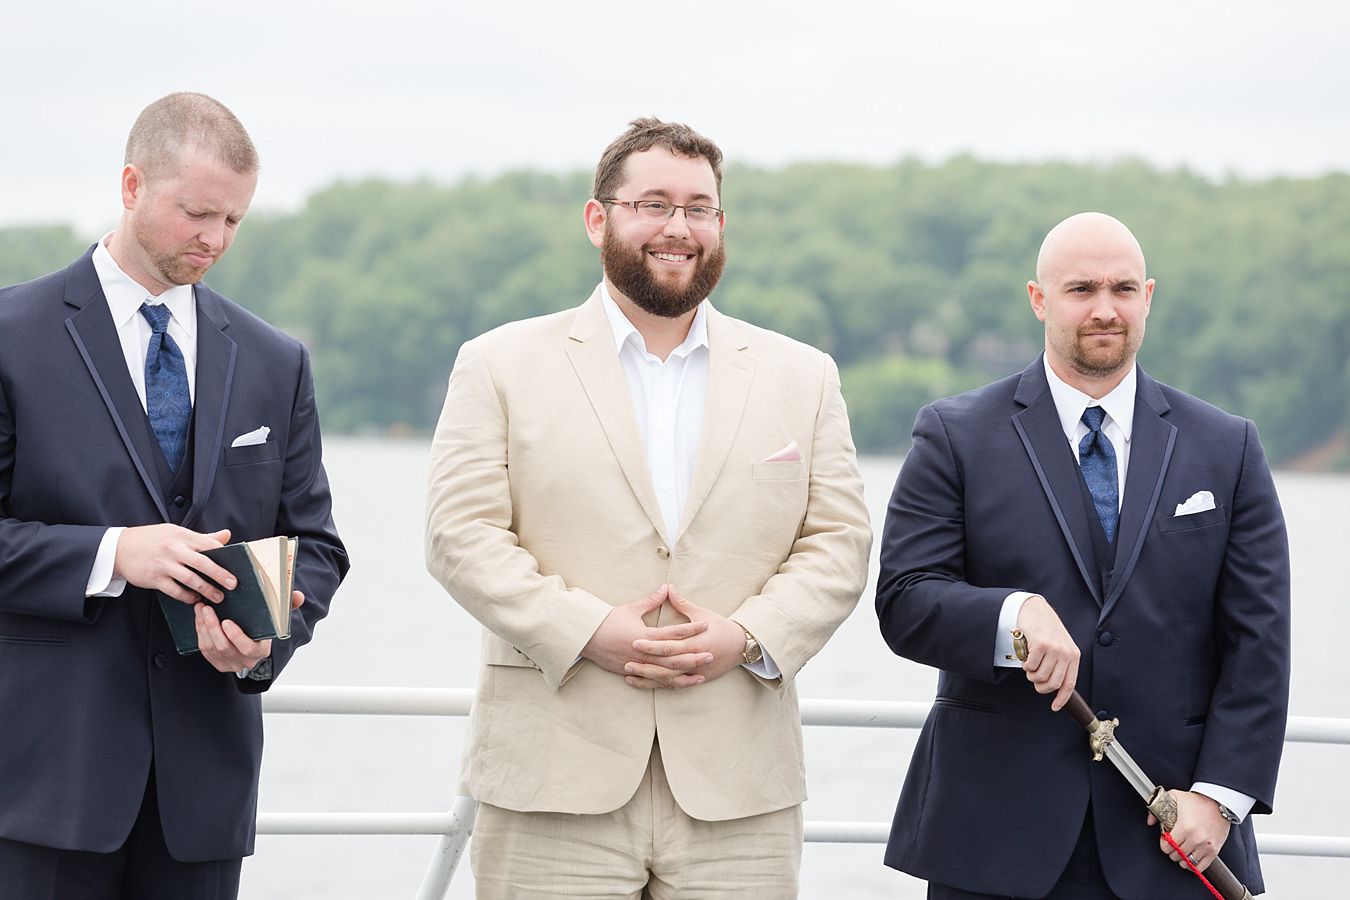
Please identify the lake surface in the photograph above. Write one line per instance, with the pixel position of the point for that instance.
(391, 624)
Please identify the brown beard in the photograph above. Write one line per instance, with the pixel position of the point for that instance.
(630, 272)
(1097, 366)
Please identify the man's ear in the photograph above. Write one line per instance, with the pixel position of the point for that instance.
(595, 217)
(133, 185)
(1037, 297)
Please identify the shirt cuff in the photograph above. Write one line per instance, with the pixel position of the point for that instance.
(765, 667)
(102, 582)
(1238, 803)
(1007, 621)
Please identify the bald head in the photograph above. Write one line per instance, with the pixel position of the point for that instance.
(186, 121)
(1093, 296)
(1087, 235)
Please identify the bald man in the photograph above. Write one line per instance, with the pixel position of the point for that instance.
(1133, 533)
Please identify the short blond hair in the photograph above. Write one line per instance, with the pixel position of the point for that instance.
(171, 124)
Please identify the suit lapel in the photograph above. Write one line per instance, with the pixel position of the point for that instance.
(1039, 427)
(1151, 444)
(95, 336)
(215, 378)
(730, 373)
(591, 352)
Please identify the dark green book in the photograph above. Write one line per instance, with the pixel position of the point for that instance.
(261, 602)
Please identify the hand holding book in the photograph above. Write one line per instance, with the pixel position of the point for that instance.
(227, 648)
(260, 604)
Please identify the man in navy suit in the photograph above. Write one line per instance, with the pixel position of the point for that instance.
(132, 439)
(1133, 533)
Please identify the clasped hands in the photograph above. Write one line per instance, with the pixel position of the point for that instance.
(1052, 668)
(682, 655)
(168, 558)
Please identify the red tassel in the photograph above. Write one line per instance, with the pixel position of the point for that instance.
(1186, 859)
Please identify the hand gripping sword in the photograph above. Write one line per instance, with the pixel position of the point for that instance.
(1102, 740)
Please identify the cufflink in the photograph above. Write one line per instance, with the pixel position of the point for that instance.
(243, 673)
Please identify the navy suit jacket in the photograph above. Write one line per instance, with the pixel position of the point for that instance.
(1186, 642)
(91, 688)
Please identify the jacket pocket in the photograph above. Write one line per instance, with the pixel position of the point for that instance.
(968, 705)
(34, 641)
(497, 652)
(784, 470)
(253, 453)
(1216, 516)
(34, 630)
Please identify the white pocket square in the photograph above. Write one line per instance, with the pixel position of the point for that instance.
(248, 439)
(790, 453)
(1198, 502)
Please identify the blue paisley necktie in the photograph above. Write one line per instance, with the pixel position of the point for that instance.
(167, 401)
(1097, 459)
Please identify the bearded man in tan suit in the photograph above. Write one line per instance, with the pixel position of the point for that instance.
(656, 513)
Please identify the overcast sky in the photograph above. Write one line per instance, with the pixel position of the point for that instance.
(400, 89)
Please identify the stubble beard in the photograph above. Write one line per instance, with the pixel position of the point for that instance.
(168, 266)
(629, 271)
(1102, 362)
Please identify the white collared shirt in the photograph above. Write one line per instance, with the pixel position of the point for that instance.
(1117, 425)
(125, 297)
(669, 398)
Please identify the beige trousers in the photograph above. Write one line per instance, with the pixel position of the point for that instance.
(648, 849)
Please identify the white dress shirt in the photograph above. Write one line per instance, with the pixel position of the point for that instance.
(669, 399)
(1117, 426)
(125, 297)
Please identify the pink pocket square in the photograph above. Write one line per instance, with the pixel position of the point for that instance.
(790, 453)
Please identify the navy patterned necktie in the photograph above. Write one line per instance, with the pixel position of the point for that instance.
(167, 401)
(1097, 459)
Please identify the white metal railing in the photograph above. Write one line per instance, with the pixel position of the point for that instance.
(455, 826)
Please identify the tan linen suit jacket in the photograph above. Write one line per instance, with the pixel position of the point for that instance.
(542, 517)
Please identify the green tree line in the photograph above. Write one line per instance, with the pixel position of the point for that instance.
(912, 275)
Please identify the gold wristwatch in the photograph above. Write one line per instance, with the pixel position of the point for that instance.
(753, 653)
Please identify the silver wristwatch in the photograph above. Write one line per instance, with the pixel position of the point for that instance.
(261, 672)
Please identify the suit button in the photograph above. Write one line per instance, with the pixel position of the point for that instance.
(1106, 639)
(663, 552)
(161, 660)
(1104, 715)
(179, 501)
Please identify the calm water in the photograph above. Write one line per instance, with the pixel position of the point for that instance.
(393, 625)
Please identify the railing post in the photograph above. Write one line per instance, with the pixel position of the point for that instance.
(445, 860)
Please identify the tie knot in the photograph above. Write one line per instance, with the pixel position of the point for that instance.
(1093, 416)
(157, 315)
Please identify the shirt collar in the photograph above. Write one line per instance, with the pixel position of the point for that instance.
(1070, 402)
(125, 295)
(625, 332)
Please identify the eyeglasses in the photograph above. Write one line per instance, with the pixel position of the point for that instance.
(697, 215)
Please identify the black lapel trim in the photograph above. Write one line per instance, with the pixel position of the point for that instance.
(1039, 428)
(95, 337)
(1151, 442)
(216, 354)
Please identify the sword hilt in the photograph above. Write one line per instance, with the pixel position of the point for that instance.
(1077, 706)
